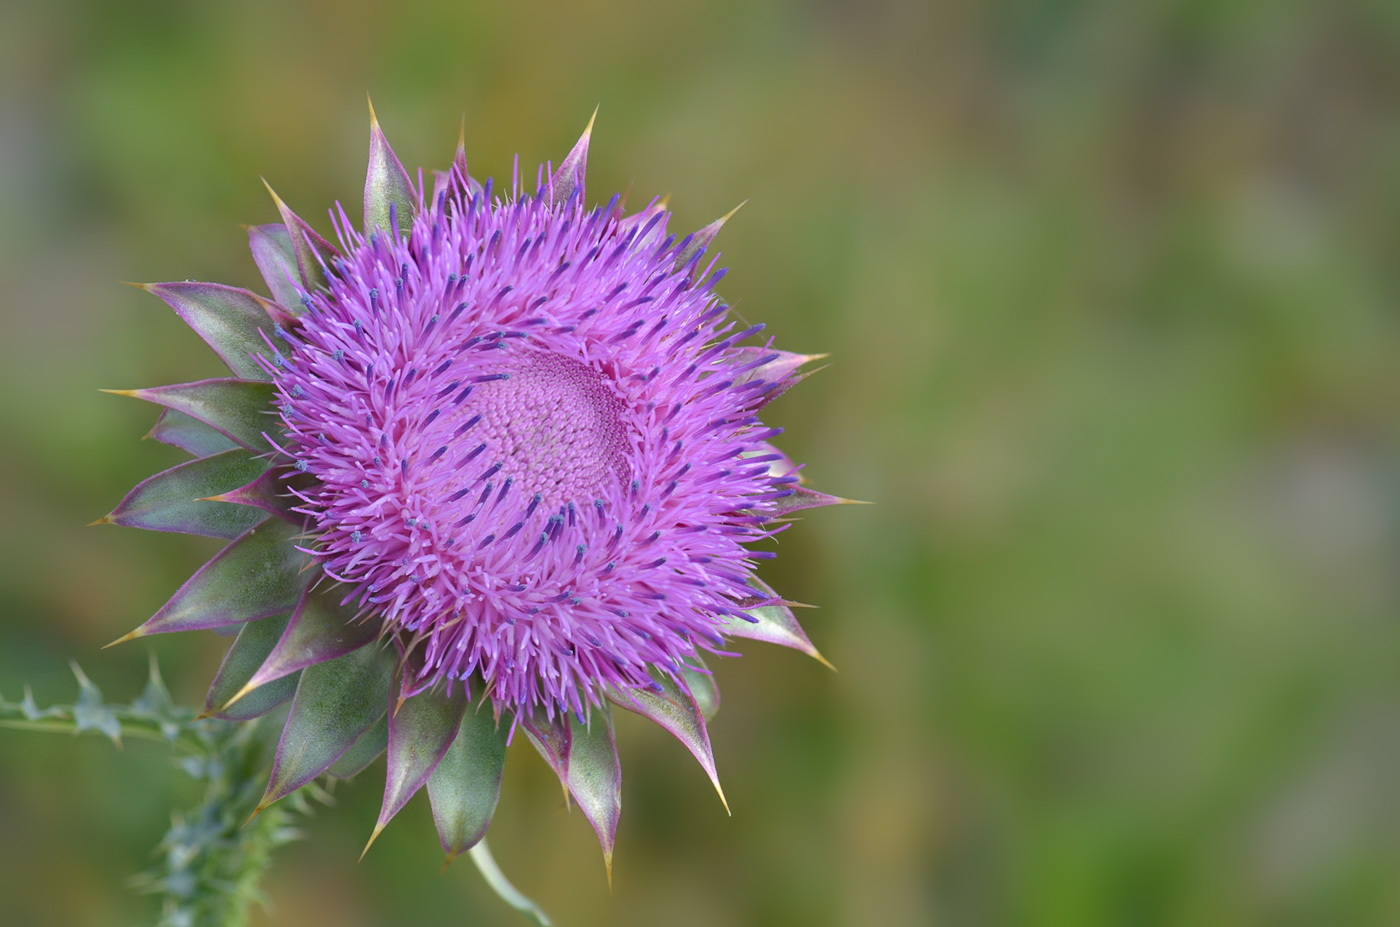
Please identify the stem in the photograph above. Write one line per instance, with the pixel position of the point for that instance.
(211, 861)
(214, 856)
(481, 855)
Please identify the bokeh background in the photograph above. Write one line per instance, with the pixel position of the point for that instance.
(1111, 294)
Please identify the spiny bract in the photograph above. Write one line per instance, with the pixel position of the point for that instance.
(494, 450)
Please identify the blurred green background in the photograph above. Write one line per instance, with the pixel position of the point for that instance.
(1110, 289)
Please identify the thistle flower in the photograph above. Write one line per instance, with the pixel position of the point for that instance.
(492, 462)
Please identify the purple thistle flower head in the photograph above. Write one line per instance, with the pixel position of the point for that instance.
(515, 454)
(535, 446)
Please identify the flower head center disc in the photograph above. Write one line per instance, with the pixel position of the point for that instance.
(555, 425)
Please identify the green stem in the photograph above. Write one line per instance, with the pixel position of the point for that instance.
(213, 862)
(212, 858)
(481, 855)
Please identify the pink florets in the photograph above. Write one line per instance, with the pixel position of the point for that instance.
(535, 445)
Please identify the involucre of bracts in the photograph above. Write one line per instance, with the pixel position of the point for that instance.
(493, 461)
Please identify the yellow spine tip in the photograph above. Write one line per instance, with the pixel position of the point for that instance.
(273, 193)
(126, 637)
(241, 692)
(373, 119)
(104, 520)
(139, 286)
(378, 829)
(588, 130)
(262, 806)
(121, 392)
(822, 660)
(730, 215)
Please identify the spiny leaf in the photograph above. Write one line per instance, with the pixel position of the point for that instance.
(779, 464)
(804, 498)
(31, 711)
(584, 756)
(232, 321)
(155, 703)
(595, 776)
(776, 365)
(310, 248)
(270, 492)
(387, 187)
(570, 175)
(364, 751)
(238, 409)
(459, 157)
(190, 435)
(551, 739)
(254, 642)
(420, 732)
(336, 702)
(676, 710)
(702, 687)
(321, 629)
(774, 624)
(90, 714)
(277, 262)
(147, 717)
(771, 373)
(700, 241)
(256, 576)
(466, 785)
(209, 867)
(172, 500)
